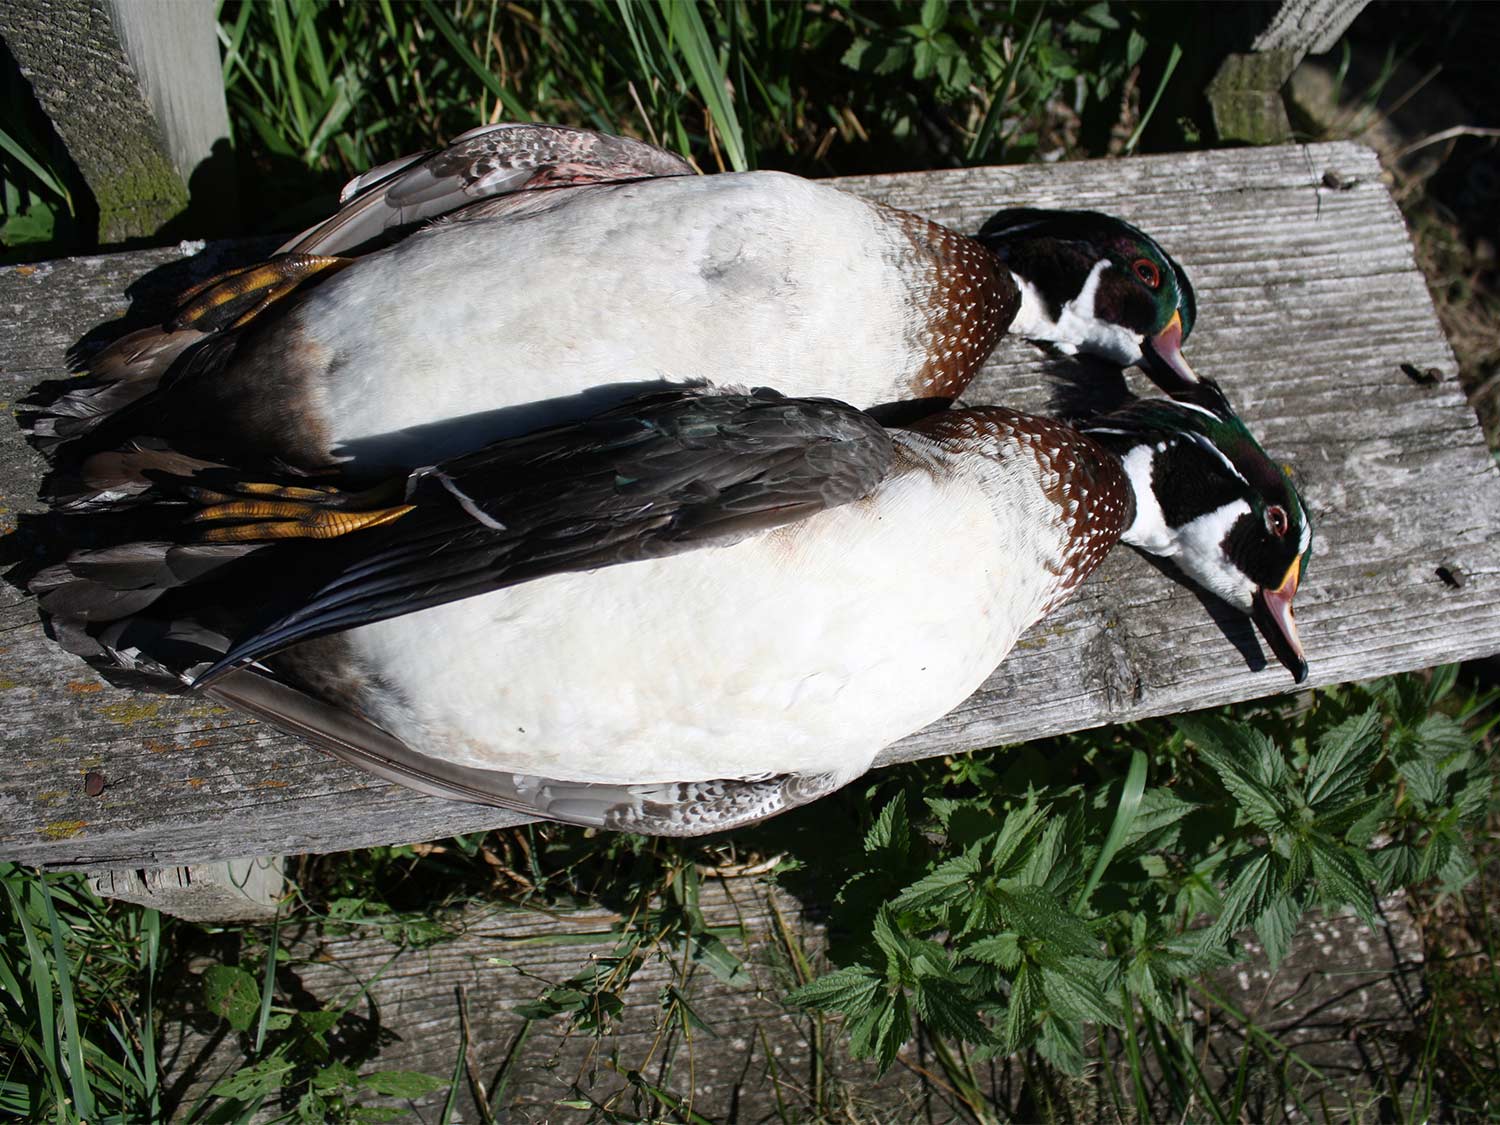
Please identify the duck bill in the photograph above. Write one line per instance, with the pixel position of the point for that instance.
(1163, 358)
(1273, 614)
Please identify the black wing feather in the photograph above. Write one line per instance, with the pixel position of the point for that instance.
(663, 474)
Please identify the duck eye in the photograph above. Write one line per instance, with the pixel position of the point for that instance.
(1276, 522)
(1146, 270)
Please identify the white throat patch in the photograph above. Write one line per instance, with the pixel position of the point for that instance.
(1201, 554)
(1077, 327)
(1149, 530)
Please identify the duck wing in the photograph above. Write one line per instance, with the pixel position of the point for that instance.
(490, 161)
(489, 166)
(663, 474)
(691, 808)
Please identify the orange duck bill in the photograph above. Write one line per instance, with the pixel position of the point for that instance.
(1164, 361)
(1276, 618)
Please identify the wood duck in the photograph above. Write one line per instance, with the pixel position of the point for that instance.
(540, 625)
(527, 275)
(1135, 307)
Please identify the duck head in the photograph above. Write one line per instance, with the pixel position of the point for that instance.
(1208, 498)
(1093, 283)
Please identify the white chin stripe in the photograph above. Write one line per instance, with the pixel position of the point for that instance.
(1077, 327)
(1202, 554)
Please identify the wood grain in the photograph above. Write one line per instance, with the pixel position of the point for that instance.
(1309, 306)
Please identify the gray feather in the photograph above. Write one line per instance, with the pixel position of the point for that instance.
(662, 809)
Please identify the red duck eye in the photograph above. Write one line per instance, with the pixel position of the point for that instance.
(1276, 521)
(1146, 270)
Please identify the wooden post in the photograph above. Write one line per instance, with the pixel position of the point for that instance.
(1246, 92)
(134, 89)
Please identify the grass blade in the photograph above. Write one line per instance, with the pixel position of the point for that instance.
(41, 984)
(150, 958)
(1130, 803)
(981, 143)
(445, 27)
(268, 985)
(691, 36)
(1166, 76)
(83, 1095)
(13, 149)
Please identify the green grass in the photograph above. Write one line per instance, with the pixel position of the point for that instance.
(78, 981)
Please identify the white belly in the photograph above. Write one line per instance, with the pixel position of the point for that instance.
(759, 279)
(805, 650)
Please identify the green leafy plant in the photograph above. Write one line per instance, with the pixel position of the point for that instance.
(975, 914)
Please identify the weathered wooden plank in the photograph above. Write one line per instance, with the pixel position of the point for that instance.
(1310, 305)
(1340, 984)
(229, 890)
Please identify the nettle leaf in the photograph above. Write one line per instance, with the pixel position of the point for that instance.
(1439, 735)
(880, 1032)
(1340, 880)
(1017, 835)
(1474, 798)
(1247, 763)
(1341, 765)
(1034, 913)
(892, 943)
(949, 1010)
(1141, 980)
(1061, 1044)
(1434, 854)
(1460, 870)
(1276, 926)
(1371, 820)
(1404, 696)
(1243, 750)
(1440, 683)
(1298, 865)
(233, 994)
(1075, 994)
(850, 990)
(1192, 954)
(1054, 862)
(891, 830)
(1360, 817)
(1001, 949)
(1423, 781)
(1020, 1015)
(1255, 884)
(1160, 809)
(1395, 866)
(949, 882)
(981, 913)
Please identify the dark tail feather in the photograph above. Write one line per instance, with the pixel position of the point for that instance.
(60, 412)
(120, 478)
(113, 607)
